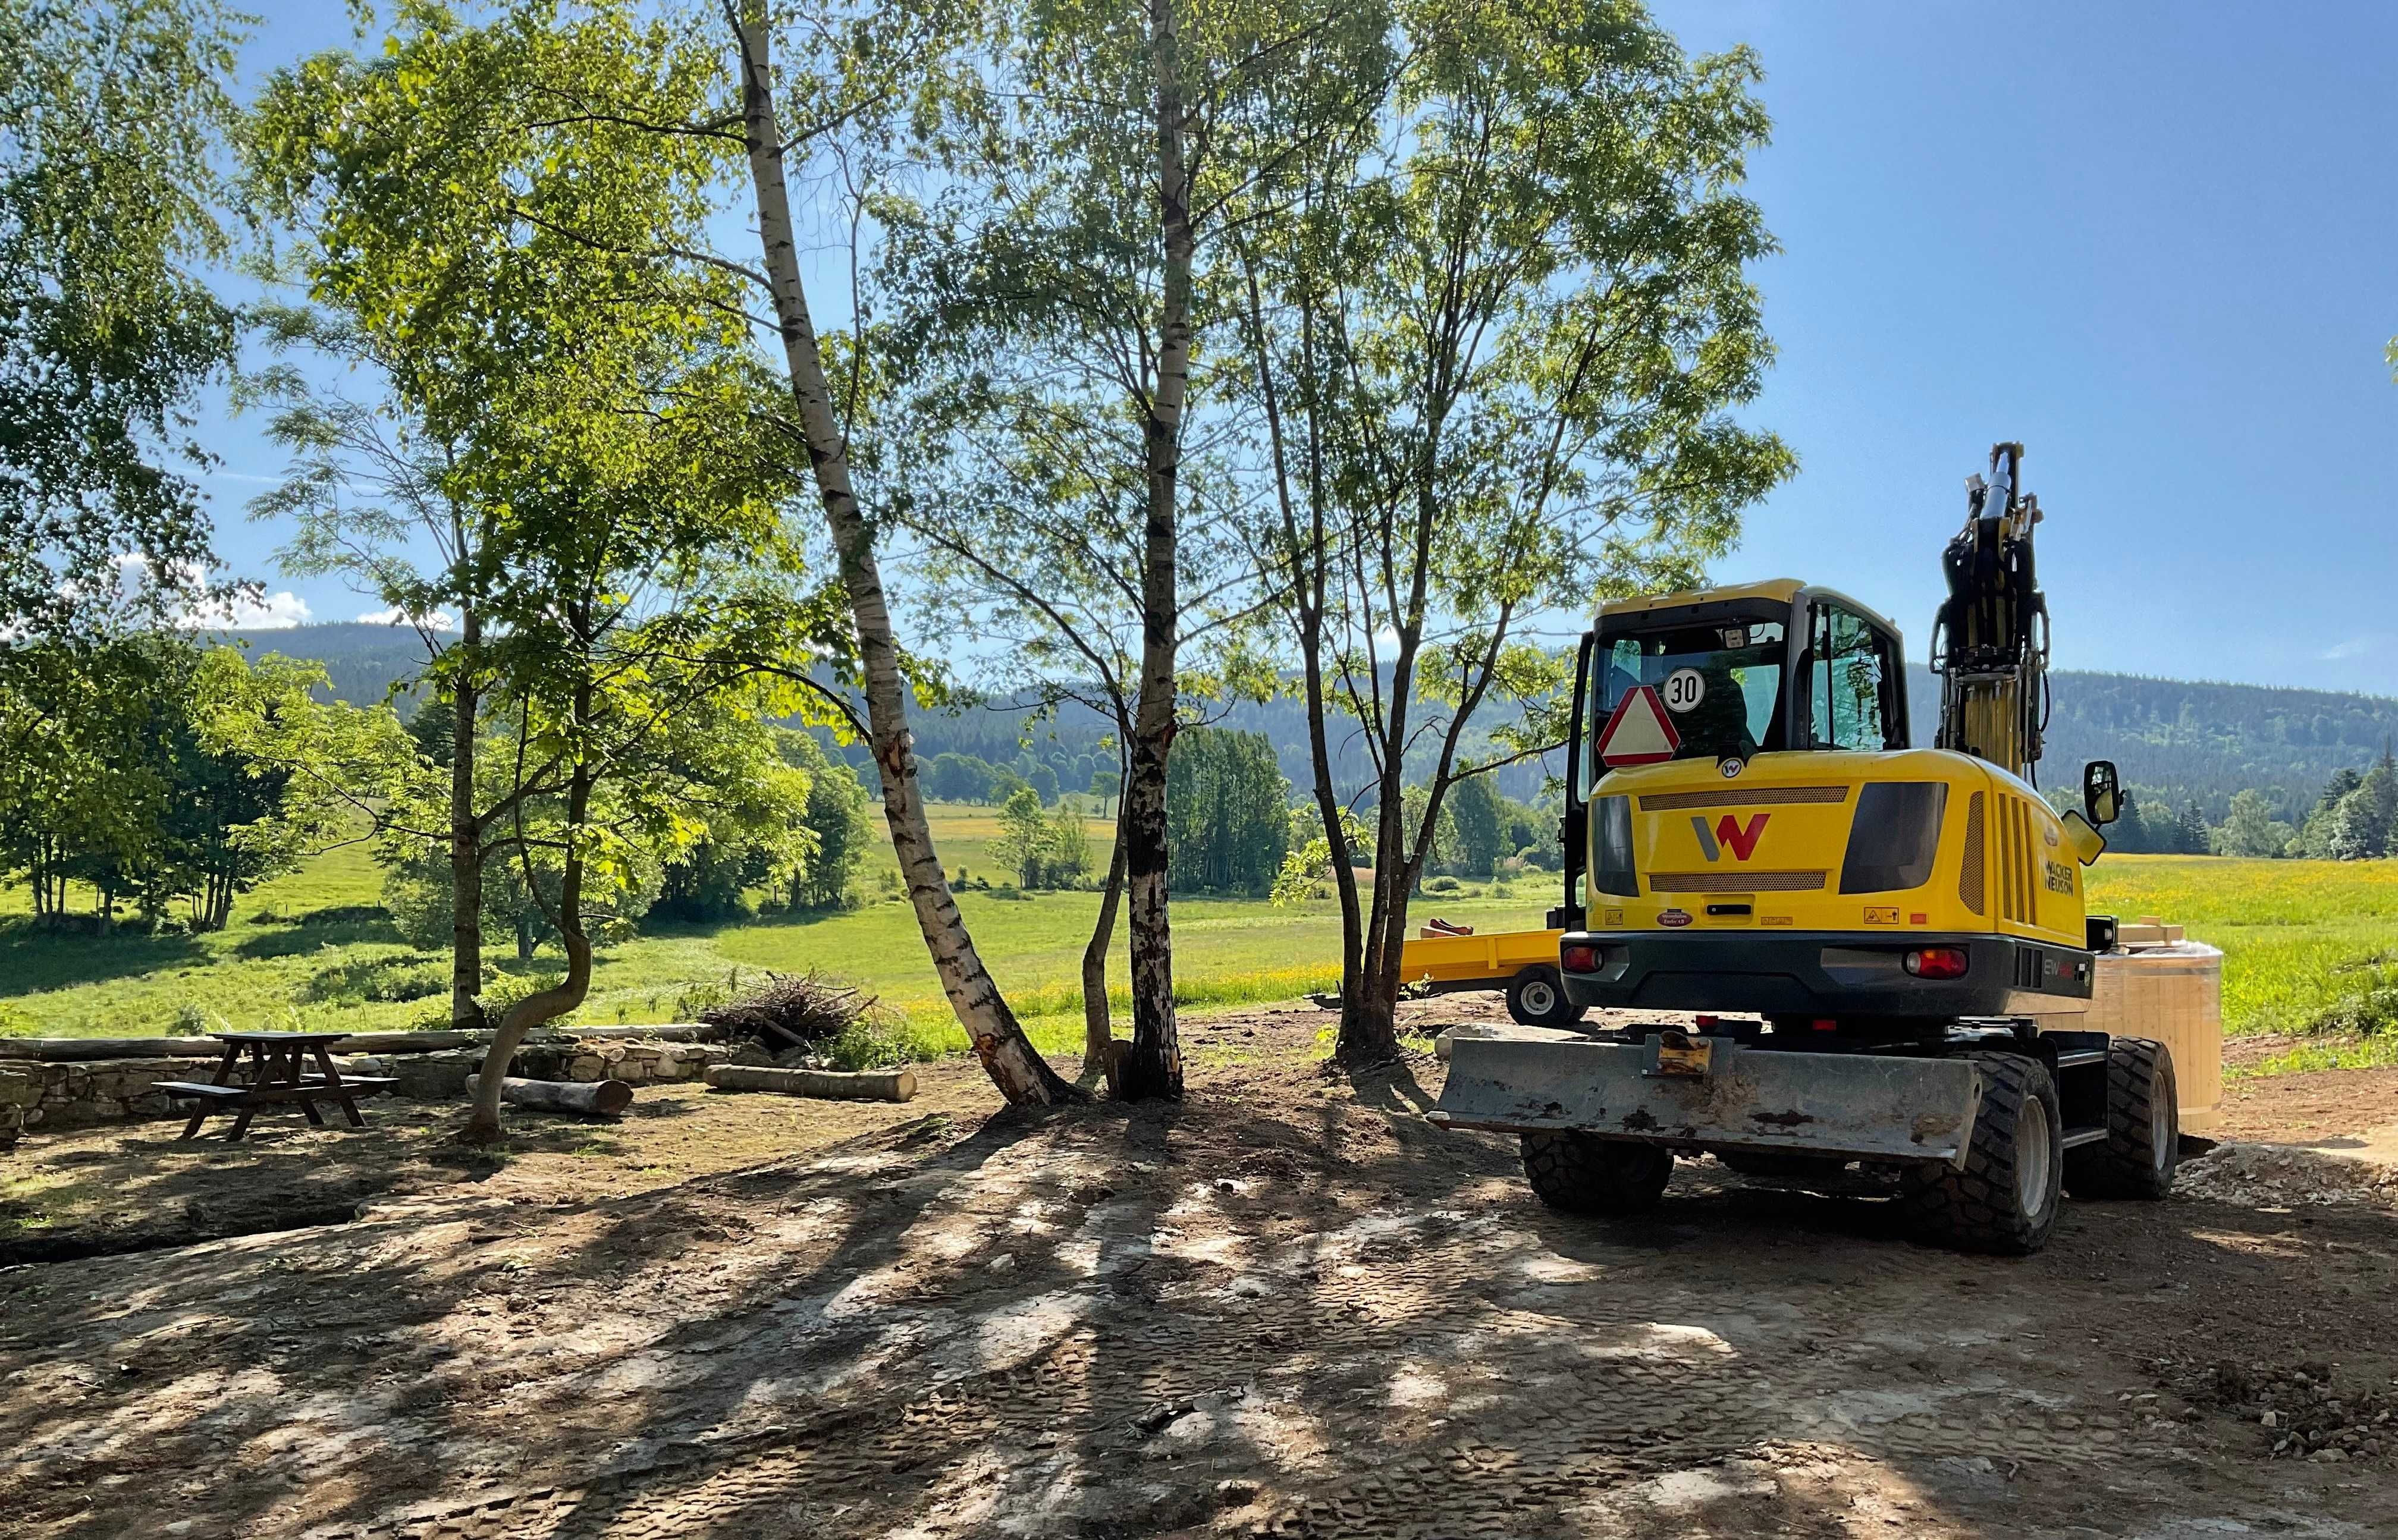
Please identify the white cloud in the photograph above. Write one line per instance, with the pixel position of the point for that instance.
(267, 613)
(2355, 647)
(438, 620)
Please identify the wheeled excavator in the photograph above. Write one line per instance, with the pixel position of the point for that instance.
(1880, 952)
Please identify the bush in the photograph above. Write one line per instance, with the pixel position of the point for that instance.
(1444, 884)
(382, 981)
(2367, 1006)
(865, 1044)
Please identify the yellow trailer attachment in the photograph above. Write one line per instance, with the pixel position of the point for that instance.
(1522, 963)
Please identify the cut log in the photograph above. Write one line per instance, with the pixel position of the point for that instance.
(77, 1050)
(871, 1085)
(590, 1098)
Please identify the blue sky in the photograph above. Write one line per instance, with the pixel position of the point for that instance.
(2157, 244)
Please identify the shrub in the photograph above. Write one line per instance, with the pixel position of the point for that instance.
(1444, 884)
(2368, 1003)
(382, 981)
(865, 1044)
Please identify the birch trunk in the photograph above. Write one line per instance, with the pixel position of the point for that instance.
(466, 839)
(1097, 1029)
(1006, 1054)
(1152, 1065)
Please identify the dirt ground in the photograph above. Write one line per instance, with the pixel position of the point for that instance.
(1285, 1305)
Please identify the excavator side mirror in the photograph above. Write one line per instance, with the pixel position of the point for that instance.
(2102, 795)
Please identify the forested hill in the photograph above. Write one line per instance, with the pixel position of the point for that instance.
(2209, 741)
(2171, 738)
(363, 660)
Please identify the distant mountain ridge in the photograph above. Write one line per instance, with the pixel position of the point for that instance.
(2172, 738)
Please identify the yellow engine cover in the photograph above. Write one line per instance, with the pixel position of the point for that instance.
(1774, 846)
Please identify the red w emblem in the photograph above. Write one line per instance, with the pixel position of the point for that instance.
(1730, 832)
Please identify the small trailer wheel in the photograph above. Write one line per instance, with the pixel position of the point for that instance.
(2143, 1143)
(2005, 1200)
(1578, 1175)
(1536, 996)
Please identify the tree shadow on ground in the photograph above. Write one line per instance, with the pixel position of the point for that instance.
(32, 960)
(833, 1340)
(357, 926)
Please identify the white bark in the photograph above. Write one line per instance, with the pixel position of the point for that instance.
(1019, 1072)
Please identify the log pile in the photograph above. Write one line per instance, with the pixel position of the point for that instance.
(871, 1085)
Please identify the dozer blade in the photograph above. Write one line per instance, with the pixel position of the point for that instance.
(1713, 1092)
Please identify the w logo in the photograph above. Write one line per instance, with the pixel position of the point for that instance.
(1729, 832)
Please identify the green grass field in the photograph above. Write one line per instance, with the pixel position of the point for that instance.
(2304, 943)
(257, 971)
(2299, 938)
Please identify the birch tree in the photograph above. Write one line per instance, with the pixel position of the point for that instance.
(1494, 357)
(1064, 280)
(998, 1039)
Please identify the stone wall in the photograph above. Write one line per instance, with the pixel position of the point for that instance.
(35, 1094)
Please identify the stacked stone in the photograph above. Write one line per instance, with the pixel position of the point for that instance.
(83, 1094)
(20, 1098)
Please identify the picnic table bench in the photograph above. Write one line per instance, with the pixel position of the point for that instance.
(278, 1074)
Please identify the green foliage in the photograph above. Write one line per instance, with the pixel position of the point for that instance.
(1023, 842)
(110, 114)
(1307, 866)
(2369, 1000)
(1227, 812)
(381, 979)
(157, 771)
(2250, 829)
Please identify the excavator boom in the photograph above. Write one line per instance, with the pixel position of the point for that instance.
(1990, 644)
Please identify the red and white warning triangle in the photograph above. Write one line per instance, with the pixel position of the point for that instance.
(1639, 733)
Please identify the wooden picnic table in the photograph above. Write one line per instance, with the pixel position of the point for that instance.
(278, 1073)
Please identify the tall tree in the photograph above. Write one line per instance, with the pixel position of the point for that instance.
(1228, 811)
(1063, 279)
(998, 1041)
(458, 200)
(371, 484)
(1494, 353)
(110, 114)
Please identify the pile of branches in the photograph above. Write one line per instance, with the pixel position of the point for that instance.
(792, 1012)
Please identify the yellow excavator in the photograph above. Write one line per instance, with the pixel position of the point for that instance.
(1883, 947)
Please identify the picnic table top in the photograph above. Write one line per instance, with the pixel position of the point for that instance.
(277, 1036)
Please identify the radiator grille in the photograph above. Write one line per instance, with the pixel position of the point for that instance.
(1757, 796)
(2018, 873)
(1971, 886)
(1736, 883)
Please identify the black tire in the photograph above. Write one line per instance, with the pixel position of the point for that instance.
(1536, 996)
(2143, 1143)
(1578, 1175)
(2005, 1200)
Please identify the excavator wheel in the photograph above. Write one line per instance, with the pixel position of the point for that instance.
(1536, 996)
(2005, 1200)
(1578, 1175)
(2143, 1143)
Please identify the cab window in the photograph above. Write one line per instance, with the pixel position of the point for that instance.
(1852, 671)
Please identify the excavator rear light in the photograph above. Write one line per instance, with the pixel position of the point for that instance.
(1937, 963)
(1580, 959)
